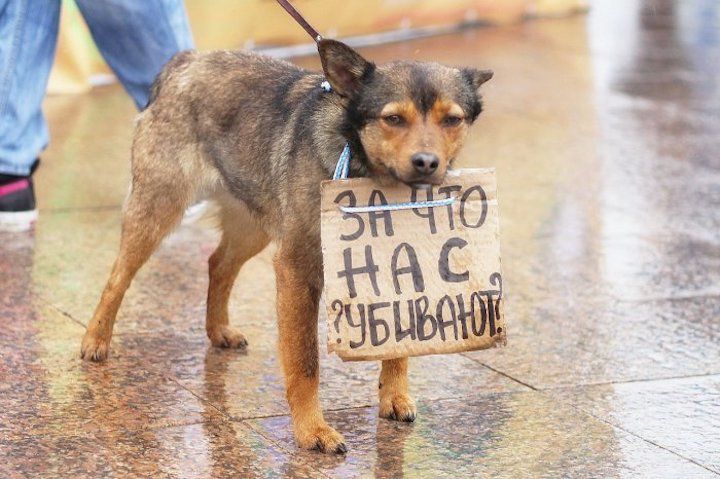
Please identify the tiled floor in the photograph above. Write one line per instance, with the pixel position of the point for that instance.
(605, 131)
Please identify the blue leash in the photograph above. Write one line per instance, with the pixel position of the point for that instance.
(342, 170)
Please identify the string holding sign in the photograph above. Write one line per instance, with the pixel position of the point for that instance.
(399, 206)
(342, 170)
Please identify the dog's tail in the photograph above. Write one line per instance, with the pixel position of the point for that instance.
(177, 61)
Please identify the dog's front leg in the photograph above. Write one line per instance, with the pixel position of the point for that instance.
(395, 402)
(298, 269)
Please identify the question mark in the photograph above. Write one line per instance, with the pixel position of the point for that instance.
(337, 319)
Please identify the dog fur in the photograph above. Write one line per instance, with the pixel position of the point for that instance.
(258, 135)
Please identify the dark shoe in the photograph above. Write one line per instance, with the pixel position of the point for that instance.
(18, 211)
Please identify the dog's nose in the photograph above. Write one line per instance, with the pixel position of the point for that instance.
(425, 163)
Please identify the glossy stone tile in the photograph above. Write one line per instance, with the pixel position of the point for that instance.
(25, 325)
(501, 435)
(553, 343)
(168, 290)
(15, 278)
(239, 383)
(87, 164)
(249, 383)
(206, 450)
(431, 377)
(587, 268)
(681, 415)
(69, 259)
(47, 390)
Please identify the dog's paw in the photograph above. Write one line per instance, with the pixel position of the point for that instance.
(399, 407)
(94, 348)
(322, 438)
(227, 337)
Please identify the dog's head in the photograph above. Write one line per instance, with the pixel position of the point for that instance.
(412, 118)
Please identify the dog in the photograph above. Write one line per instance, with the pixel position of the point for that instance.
(258, 135)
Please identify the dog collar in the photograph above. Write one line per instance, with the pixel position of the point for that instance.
(342, 168)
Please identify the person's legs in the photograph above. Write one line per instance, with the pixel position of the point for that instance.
(28, 29)
(137, 37)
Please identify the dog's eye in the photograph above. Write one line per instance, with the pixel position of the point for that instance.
(394, 120)
(451, 120)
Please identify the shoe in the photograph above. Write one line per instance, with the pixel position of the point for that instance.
(18, 211)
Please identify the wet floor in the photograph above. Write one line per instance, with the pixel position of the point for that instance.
(605, 131)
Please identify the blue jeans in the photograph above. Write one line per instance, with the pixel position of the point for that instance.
(136, 38)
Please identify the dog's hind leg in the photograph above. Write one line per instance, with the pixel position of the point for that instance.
(148, 218)
(395, 402)
(242, 238)
(157, 199)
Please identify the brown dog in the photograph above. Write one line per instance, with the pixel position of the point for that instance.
(258, 135)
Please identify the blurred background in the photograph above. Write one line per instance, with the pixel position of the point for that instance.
(262, 24)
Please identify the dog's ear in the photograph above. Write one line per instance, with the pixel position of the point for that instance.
(344, 67)
(477, 77)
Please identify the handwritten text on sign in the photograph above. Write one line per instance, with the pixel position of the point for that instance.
(415, 281)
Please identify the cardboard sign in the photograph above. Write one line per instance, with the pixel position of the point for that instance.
(414, 281)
